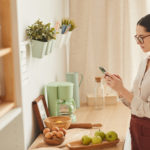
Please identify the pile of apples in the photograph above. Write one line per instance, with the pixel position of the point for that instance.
(99, 136)
(55, 132)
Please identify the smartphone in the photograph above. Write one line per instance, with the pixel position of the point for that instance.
(102, 70)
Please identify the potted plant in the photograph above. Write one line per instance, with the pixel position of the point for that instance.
(52, 35)
(66, 27)
(72, 27)
(40, 35)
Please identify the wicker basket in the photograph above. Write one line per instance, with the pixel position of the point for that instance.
(59, 121)
(54, 141)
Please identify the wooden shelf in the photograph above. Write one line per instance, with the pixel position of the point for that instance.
(4, 51)
(6, 107)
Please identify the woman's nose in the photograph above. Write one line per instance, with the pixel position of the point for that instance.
(138, 42)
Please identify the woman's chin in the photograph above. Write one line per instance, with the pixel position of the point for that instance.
(145, 50)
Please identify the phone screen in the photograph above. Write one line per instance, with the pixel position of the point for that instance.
(102, 69)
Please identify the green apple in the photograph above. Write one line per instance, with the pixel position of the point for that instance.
(111, 136)
(100, 133)
(96, 140)
(86, 140)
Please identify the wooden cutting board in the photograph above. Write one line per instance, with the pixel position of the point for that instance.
(72, 135)
(77, 145)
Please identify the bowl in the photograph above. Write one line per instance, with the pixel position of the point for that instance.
(54, 141)
(59, 121)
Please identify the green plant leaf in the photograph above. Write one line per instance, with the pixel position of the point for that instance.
(40, 31)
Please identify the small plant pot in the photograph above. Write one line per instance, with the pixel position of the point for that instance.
(49, 47)
(53, 45)
(60, 40)
(38, 48)
(68, 37)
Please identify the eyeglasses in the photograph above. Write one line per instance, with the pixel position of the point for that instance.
(140, 39)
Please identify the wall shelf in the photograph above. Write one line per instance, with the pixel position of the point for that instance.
(4, 51)
(6, 107)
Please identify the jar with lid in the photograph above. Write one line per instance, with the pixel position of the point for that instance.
(99, 99)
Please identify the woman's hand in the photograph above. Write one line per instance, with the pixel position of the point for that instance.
(115, 82)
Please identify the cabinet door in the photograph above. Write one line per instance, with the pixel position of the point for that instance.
(7, 98)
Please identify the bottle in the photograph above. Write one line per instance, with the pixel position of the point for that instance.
(99, 94)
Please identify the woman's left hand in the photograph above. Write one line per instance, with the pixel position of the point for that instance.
(114, 81)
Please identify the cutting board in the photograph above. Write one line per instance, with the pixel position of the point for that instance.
(72, 135)
(77, 145)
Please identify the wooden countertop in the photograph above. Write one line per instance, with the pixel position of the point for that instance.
(113, 117)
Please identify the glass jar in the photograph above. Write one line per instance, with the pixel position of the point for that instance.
(99, 99)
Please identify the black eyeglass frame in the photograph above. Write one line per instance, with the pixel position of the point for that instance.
(140, 38)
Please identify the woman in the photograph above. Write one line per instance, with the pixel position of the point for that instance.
(139, 99)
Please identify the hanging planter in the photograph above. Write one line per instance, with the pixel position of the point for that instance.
(67, 26)
(60, 40)
(68, 37)
(49, 47)
(38, 48)
(41, 36)
(53, 45)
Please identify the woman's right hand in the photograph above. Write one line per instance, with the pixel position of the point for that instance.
(114, 81)
(117, 76)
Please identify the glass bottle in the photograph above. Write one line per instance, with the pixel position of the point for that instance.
(99, 94)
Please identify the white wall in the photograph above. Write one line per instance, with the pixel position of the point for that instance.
(40, 71)
(148, 6)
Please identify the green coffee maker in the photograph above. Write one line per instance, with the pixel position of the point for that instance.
(59, 98)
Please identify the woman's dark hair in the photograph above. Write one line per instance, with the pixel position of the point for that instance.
(145, 22)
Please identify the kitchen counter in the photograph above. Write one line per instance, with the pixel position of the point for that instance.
(113, 117)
